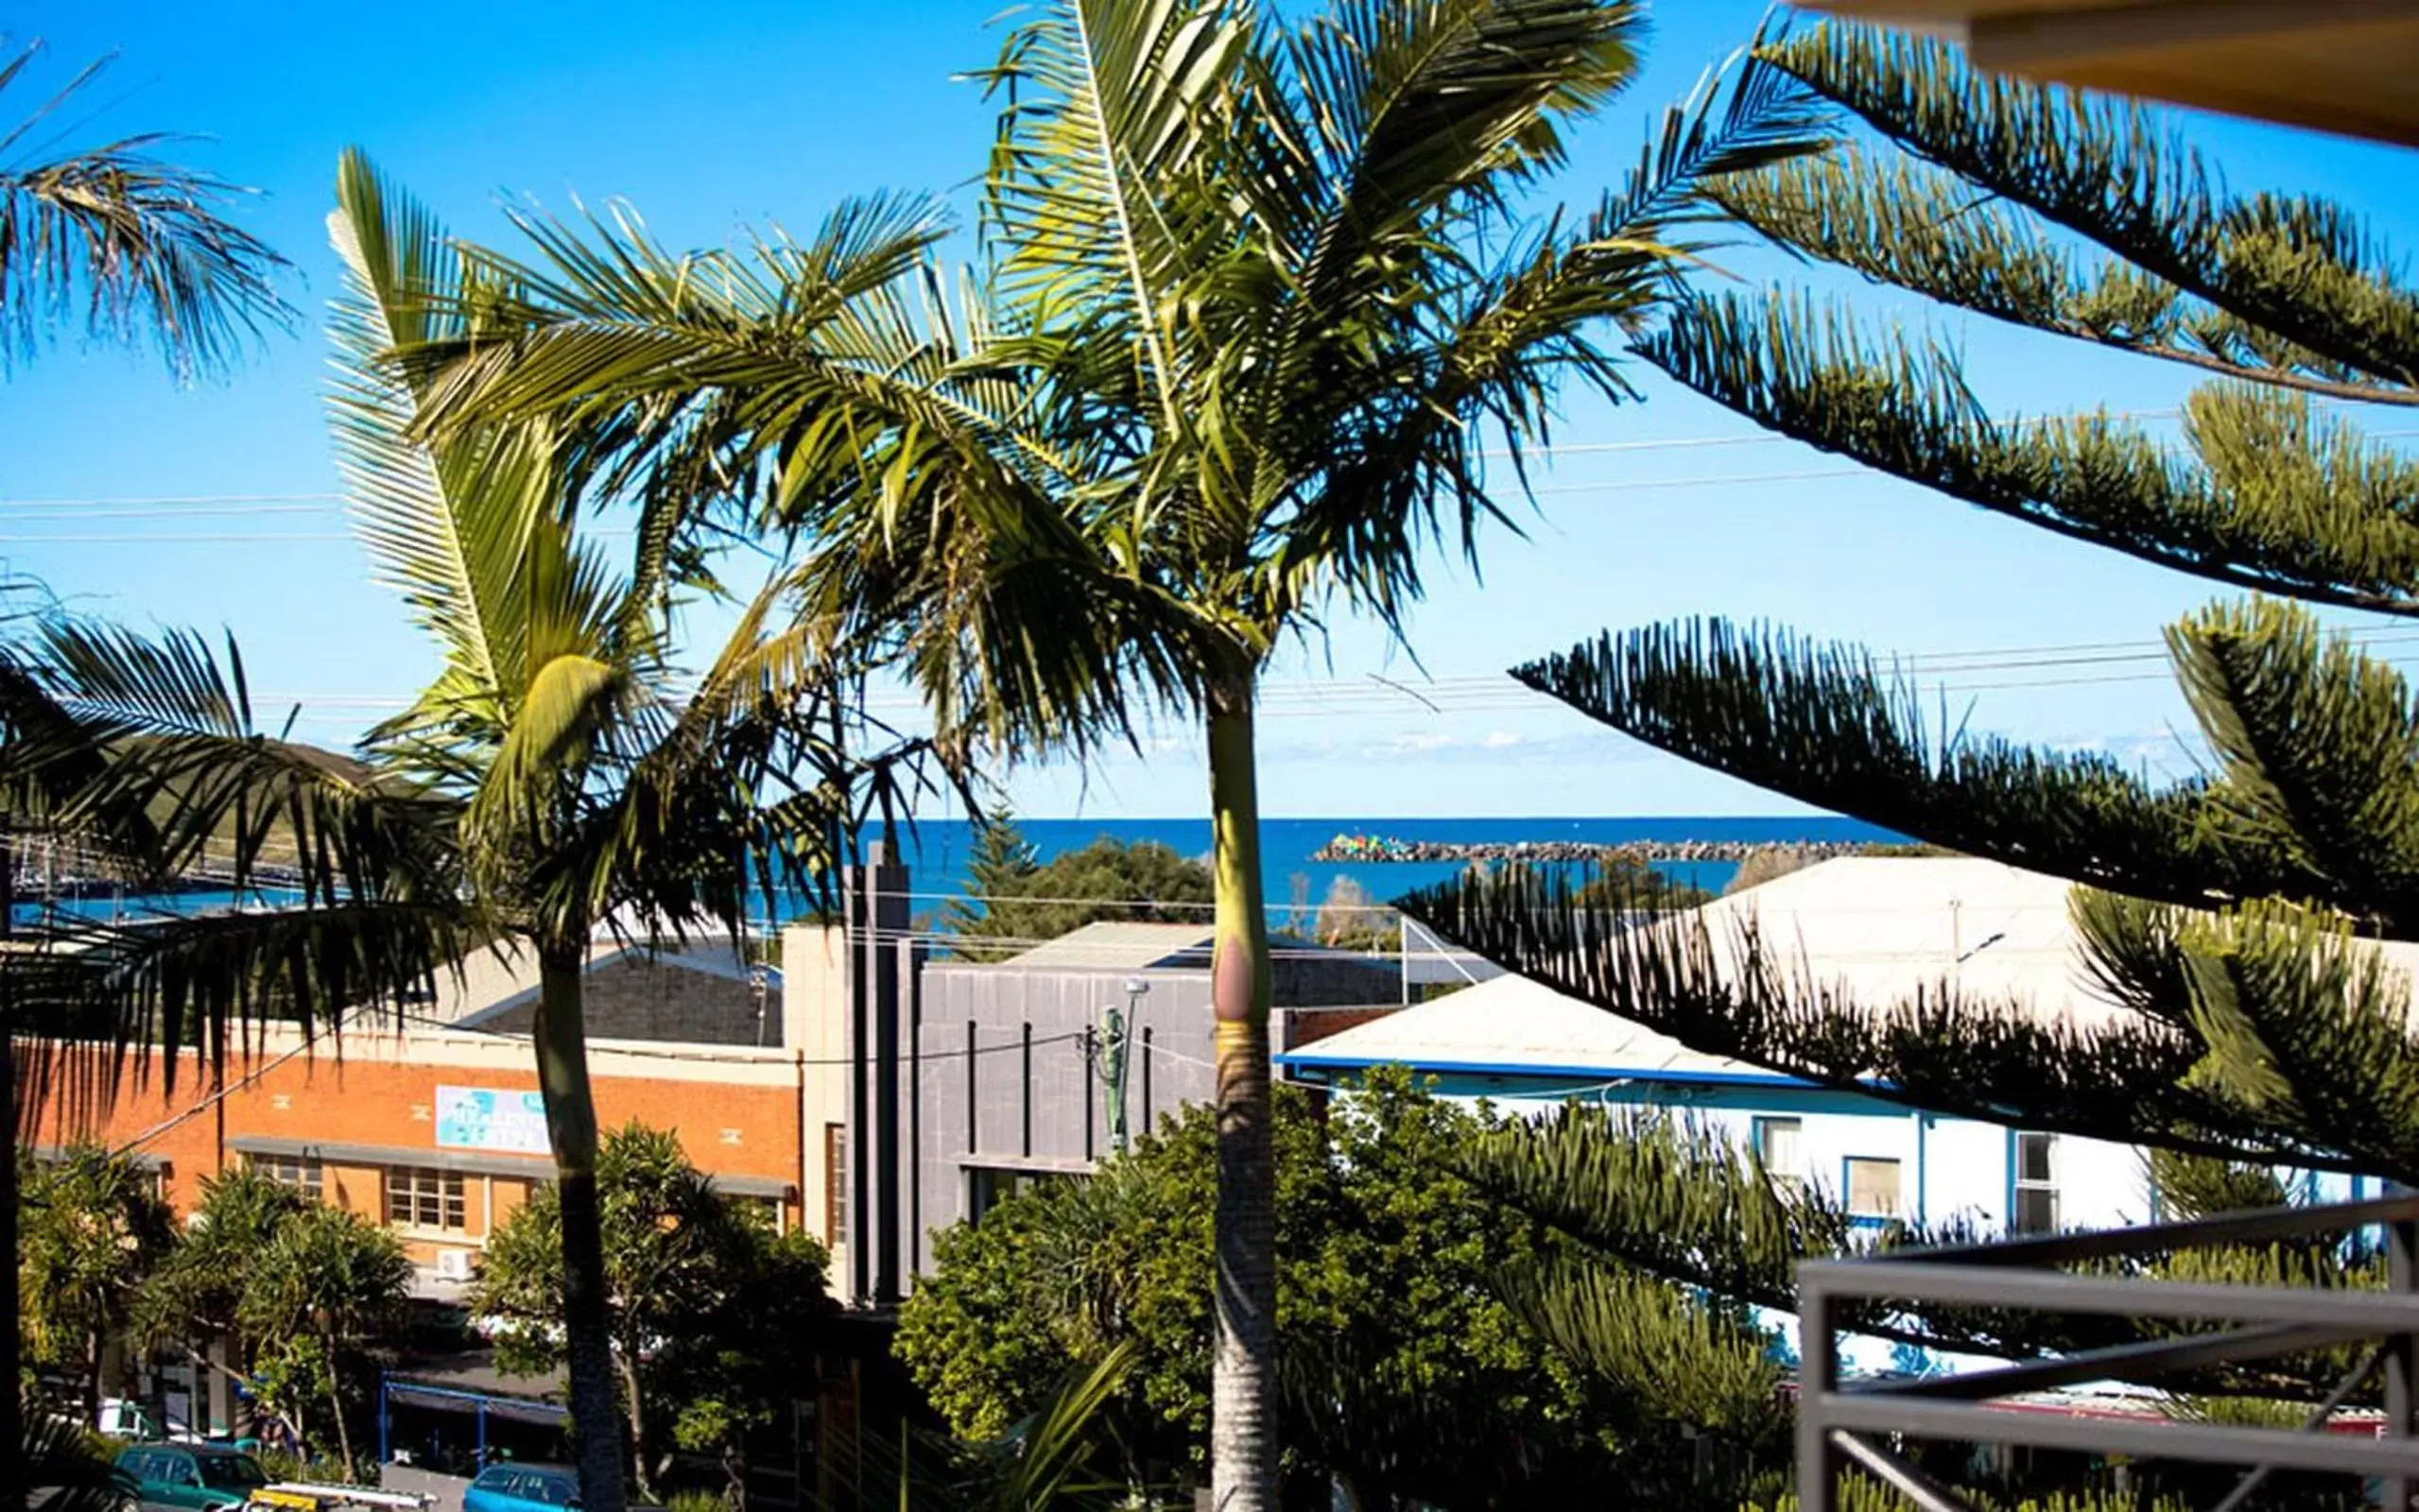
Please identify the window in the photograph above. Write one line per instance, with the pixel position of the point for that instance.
(1873, 1188)
(289, 1169)
(232, 1472)
(2036, 1190)
(834, 1184)
(1779, 1149)
(987, 1187)
(419, 1198)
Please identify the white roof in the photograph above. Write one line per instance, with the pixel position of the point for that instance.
(1883, 927)
(1511, 1024)
(1877, 928)
(1116, 945)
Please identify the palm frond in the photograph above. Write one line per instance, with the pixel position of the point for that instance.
(144, 750)
(99, 1002)
(1413, 106)
(1110, 106)
(136, 249)
(455, 568)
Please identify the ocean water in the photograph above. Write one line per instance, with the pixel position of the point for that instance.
(937, 850)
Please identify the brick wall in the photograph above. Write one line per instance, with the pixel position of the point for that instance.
(734, 1119)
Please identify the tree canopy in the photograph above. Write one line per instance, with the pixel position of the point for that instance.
(1407, 1374)
(1019, 901)
(712, 1319)
(92, 1227)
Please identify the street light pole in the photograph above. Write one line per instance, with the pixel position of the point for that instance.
(1113, 1048)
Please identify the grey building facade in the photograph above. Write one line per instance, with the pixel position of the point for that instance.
(971, 1079)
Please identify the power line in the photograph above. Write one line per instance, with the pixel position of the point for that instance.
(206, 503)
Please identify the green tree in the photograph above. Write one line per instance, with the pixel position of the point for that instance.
(2235, 910)
(1249, 328)
(1623, 880)
(1024, 902)
(587, 779)
(328, 1289)
(1406, 1374)
(92, 1227)
(712, 1319)
(1000, 868)
(143, 251)
(198, 1293)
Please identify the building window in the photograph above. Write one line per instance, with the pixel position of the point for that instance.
(2036, 1189)
(987, 1187)
(1873, 1188)
(289, 1169)
(834, 1185)
(1780, 1149)
(419, 1197)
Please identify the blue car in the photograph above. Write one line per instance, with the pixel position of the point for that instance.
(523, 1489)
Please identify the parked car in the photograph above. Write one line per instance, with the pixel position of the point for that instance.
(510, 1488)
(197, 1476)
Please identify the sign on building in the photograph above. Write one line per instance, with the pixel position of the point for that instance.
(484, 1118)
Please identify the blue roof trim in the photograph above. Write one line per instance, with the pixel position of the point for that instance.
(1297, 1060)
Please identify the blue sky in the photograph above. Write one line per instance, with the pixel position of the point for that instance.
(711, 117)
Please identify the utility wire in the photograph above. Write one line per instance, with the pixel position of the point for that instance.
(1571, 449)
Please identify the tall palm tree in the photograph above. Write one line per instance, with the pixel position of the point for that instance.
(144, 246)
(595, 784)
(1254, 304)
(136, 249)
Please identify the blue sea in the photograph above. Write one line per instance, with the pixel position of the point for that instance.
(936, 852)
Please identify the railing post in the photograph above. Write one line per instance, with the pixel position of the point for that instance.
(2402, 1350)
(1817, 1375)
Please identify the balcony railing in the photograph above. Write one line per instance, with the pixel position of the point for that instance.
(1840, 1425)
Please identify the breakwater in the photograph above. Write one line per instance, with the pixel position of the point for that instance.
(1375, 847)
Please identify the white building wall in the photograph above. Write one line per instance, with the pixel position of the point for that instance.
(1951, 1169)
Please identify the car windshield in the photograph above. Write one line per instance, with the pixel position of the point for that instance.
(231, 1471)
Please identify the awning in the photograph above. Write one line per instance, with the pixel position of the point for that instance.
(409, 1393)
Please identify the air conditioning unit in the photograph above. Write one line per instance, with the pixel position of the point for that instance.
(454, 1265)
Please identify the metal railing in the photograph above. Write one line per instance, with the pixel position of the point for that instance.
(1840, 1425)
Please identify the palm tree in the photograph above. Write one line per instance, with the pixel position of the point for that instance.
(593, 783)
(1255, 305)
(144, 248)
(141, 244)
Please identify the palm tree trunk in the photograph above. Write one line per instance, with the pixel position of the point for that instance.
(1243, 1387)
(628, 1361)
(335, 1405)
(94, 1343)
(12, 1425)
(571, 1129)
